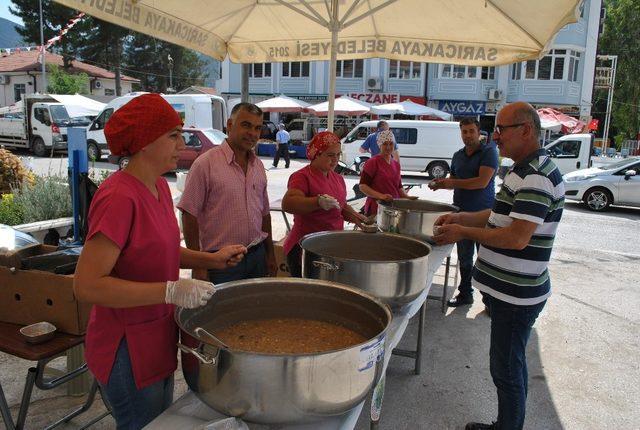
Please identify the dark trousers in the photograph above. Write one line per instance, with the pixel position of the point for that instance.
(466, 249)
(253, 265)
(294, 261)
(510, 330)
(282, 151)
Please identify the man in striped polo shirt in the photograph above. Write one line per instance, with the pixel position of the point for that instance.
(516, 238)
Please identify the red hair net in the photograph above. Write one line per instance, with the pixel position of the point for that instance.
(320, 143)
(138, 123)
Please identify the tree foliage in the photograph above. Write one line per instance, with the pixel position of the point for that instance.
(620, 37)
(61, 82)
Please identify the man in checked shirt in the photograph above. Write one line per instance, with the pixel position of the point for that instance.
(225, 200)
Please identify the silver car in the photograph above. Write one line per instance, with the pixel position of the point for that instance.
(598, 187)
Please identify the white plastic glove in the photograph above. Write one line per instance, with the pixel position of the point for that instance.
(188, 293)
(327, 202)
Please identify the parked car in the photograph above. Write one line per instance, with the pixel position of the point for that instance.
(599, 187)
(198, 142)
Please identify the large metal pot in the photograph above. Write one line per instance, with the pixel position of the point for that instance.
(413, 218)
(278, 388)
(391, 267)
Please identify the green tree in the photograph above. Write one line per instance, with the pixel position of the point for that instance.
(620, 37)
(61, 82)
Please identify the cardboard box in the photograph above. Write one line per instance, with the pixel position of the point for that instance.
(31, 296)
(281, 261)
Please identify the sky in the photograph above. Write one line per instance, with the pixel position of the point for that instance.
(4, 12)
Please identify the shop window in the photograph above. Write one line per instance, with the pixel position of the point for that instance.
(296, 69)
(349, 68)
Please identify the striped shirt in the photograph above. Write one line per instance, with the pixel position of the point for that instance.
(532, 191)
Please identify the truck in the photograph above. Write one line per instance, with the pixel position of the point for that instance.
(38, 124)
(570, 152)
(201, 111)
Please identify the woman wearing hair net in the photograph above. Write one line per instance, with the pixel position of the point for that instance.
(129, 266)
(380, 178)
(317, 198)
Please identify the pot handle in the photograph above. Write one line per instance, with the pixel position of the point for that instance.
(326, 266)
(204, 359)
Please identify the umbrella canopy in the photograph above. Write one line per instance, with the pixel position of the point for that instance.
(409, 107)
(553, 118)
(344, 105)
(473, 32)
(282, 103)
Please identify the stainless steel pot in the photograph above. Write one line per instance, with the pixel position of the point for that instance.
(413, 218)
(391, 267)
(275, 388)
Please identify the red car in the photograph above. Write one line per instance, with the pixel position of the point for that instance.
(198, 141)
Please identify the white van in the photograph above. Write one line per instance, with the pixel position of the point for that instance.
(424, 146)
(571, 152)
(196, 111)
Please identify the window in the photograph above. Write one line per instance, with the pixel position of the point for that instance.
(349, 68)
(405, 136)
(552, 66)
(18, 91)
(574, 62)
(565, 149)
(109, 92)
(260, 70)
(101, 120)
(516, 71)
(456, 71)
(296, 69)
(191, 140)
(404, 69)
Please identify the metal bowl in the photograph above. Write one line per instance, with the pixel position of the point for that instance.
(283, 388)
(391, 267)
(38, 332)
(414, 218)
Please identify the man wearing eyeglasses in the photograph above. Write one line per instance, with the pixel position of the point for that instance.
(473, 169)
(516, 238)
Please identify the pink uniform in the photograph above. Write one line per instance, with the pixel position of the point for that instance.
(146, 231)
(312, 183)
(383, 177)
(228, 204)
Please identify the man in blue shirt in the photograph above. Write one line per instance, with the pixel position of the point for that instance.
(473, 169)
(371, 142)
(282, 146)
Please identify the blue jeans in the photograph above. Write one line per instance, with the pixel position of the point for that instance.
(465, 262)
(132, 408)
(253, 265)
(510, 329)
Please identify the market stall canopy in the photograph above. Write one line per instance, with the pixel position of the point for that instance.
(568, 124)
(409, 107)
(550, 124)
(78, 105)
(471, 32)
(344, 105)
(283, 103)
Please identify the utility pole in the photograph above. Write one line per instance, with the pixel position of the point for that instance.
(44, 62)
(606, 79)
(244, 83)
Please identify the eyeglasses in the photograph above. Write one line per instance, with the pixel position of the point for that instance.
(500, 128)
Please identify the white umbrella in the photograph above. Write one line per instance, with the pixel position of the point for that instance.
(282, 103)
(344, 105)
(409, 107)
(473, 32)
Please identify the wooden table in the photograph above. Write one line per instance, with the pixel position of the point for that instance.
(12, 342)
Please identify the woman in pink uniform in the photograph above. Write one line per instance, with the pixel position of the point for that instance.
(317, 198)
(129, 266)
(380, 178)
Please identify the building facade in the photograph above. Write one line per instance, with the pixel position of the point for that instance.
(21, 73)
(562, 79)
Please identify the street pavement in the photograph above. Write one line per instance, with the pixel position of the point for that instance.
(583, 356)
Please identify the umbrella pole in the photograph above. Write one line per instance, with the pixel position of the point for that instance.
(332, 63)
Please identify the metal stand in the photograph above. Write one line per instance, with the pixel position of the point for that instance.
(417, 354)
